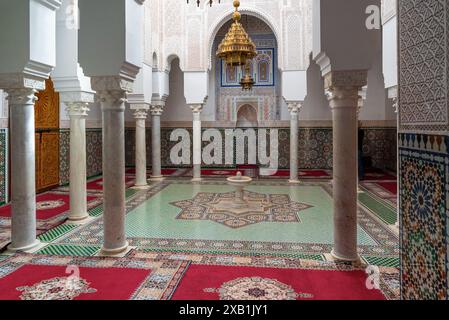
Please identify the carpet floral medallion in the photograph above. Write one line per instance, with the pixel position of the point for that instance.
(42, 277)
(219, 207)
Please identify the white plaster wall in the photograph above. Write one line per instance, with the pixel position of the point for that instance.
(176, 108)
(390, 53)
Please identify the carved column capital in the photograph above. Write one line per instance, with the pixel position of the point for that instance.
(77, 109)
(23, 96)
(196, 108)
(156, 110)
(140, 114)
(294, 107)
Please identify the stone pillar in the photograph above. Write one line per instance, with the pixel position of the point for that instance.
(393, 95)
(112, 94)
(294, 108)
(156, 113)
(197, 141)
(77, 112)
(343, 93)
(140, 114)
(23, 181)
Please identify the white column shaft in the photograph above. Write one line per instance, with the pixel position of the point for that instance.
(344, 109)
(197, 145)
(113, 108)
(294, 136)
(141, 153)
(78, 171)
(23, 181)
(156, 145)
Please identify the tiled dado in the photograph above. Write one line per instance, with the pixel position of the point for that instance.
(315, 147)
(93, 155)
(3, 166)
(424, 184)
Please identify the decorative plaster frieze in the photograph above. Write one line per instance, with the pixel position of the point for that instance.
(346, 78)
(77, 96)
(20, 80)
(108, 83)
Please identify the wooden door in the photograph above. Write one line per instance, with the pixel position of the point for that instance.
(47, 138)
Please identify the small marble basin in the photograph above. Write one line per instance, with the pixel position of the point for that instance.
(239, 182)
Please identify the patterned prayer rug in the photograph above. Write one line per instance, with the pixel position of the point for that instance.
(165, 172)
(348, 281)
(51, 209)
(303, 174)
(97, 184)
(378, 175)
(249, 283)
(32, 277)
(5, 237)
(385, 191)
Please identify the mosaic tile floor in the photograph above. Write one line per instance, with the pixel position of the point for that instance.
(153, 225)
(177, 219)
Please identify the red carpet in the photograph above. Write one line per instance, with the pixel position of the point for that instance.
(244, 283)
(36, 277)
(391, 187)
(48, 206)
(218, 172)
(98, 183)
(33, 281)
(165, 172)
(378, 175)
(317, 174)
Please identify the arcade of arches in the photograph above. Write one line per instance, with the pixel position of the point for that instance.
(121, 152)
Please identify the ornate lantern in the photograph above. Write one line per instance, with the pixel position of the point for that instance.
(237, 47)
(247, 81)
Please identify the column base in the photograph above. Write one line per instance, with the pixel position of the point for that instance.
(118, 253)
(35, 246)
(141, 187)
(294, 181)
(344, 259)
(156, 178)
(196, 180)
(82, 220)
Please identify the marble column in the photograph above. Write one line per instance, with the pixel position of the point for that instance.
(344, 105)
(113, 98)
(197, 141)
(294, 108)
(23, 181)
(396, 110)
(156, 113)
(78, 112)
(140, 114)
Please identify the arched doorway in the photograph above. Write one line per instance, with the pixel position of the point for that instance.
(225, 85)
(247, 117)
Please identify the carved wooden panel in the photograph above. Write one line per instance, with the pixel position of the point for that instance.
(47, 138)
(47, 108)
(47, 160)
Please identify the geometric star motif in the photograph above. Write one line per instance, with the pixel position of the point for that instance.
(221, 208)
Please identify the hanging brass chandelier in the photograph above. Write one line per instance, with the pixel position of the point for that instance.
(237, 49)
(198, 2)
(247, 81)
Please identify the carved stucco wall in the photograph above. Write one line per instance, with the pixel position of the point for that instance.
(188, 32)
